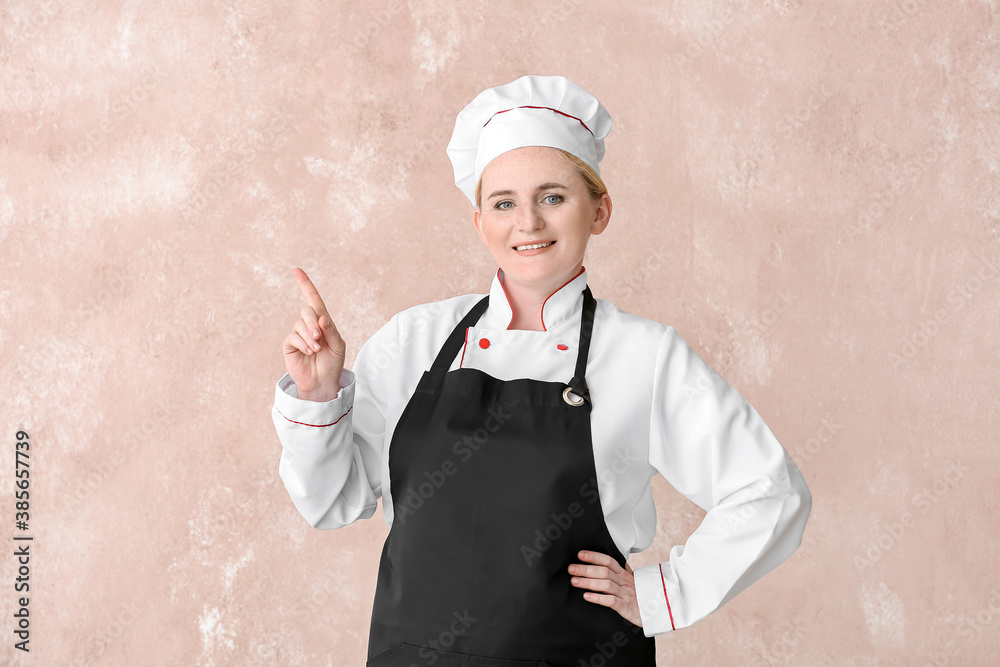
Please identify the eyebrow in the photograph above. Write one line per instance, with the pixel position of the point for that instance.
(543, 186)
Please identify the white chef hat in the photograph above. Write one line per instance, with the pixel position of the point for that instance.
(531, 111)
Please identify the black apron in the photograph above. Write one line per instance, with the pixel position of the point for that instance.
(494, 492)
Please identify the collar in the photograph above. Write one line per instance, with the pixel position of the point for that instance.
(558, 306)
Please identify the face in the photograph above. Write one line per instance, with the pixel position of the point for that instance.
(535, 195)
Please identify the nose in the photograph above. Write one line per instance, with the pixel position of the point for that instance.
(530, 218)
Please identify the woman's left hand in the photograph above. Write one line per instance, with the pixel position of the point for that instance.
(615, 586)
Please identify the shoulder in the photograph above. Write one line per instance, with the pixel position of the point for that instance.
(419, 330)
(437, 313)
(643, 341)
(421, 315)
(423, 328)
(628, 326)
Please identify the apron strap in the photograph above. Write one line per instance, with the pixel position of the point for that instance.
(578, 385)
(457, 337)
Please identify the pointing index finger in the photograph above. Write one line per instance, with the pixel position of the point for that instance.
(311, 293)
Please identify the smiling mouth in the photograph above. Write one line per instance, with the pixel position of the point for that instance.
(532, 246)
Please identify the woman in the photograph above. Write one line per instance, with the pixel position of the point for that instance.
(513, 497)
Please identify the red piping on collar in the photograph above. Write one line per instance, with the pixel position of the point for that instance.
(542, 314)
(506, 297)
(464, 345)
(528, 106)
(550, 296)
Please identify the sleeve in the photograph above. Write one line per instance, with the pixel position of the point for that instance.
(331, 452)
(715, 449)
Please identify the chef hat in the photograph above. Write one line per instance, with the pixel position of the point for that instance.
(531, 111)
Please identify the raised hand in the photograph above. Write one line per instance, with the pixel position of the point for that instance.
(314, 351)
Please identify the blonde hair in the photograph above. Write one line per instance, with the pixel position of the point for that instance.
(595, 186)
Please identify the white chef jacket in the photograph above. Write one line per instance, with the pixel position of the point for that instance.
(657, 407)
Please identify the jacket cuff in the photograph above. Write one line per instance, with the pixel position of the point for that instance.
(657, 599)
(317, 414)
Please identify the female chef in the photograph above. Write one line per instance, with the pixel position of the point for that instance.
(512, 435)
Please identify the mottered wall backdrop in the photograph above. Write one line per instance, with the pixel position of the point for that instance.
(808, 192)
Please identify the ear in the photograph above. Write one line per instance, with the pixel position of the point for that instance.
(602, 216)
(479, 229)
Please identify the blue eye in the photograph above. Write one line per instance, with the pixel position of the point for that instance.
(504, 201)
(558, 198)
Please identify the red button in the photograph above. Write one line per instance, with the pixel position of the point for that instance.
(484, 343)
(562, 347)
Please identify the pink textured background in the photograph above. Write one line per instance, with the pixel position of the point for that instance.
(802, 189)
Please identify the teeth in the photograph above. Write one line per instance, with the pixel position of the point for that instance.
(530, 247)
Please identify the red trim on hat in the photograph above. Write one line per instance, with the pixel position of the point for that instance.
(528, 106)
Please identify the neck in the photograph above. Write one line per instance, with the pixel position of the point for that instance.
(526, 299)
(526, 304)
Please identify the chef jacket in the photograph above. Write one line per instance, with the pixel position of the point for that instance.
(657, 407)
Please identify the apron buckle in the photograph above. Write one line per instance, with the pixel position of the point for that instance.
(580, 392)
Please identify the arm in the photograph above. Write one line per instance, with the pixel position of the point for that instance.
(331, 452)
(714, 448)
